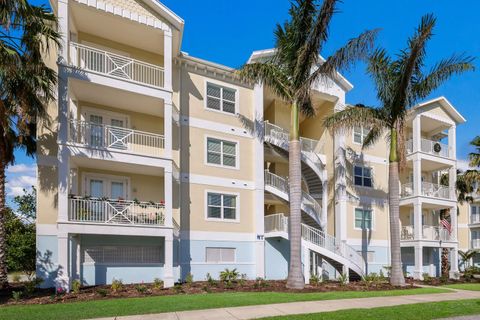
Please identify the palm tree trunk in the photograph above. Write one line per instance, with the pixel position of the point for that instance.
(3, 244)
(295, 278)
(396, 277)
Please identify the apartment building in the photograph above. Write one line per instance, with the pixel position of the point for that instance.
(157, 165)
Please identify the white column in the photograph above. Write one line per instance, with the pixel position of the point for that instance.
(63, 28)
(168, 280)
(417, 221)
(63, 276)
(306, 264)
(418, 271)
(417, 176)
(167, 127)
(417, 133)
(454, 274)
(63, 171)
(63, 106)
(340, 181)
(167, 59)
(325, 203)
(258, 158)
(454, 223)
(452, 142)
(346, 272)
(168, 194)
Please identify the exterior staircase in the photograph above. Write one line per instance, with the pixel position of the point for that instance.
(335, 252)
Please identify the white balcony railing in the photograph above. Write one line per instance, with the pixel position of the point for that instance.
(475, 218)
(105, 136)
(428, 190)
(276, 223)
(432, 147)
(428, 233)
(109, 211)
(475, 243)
(115, 65)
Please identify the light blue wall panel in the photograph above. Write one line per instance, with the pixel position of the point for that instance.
(47, 259)
(277, 255)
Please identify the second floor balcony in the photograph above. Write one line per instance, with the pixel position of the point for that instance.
(103, 136)
(115, 211)
(435, 233)
(431, 147)
(429, 189)
(116, 66)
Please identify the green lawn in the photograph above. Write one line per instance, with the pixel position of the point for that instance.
(119, 307)
(464, 286)
(421, 311)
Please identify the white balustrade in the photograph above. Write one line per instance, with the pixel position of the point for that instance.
(428, 233)
(119, 138)
(110, 211)
(428, 189)
(432, 147)
(276, 223)
(115, 65)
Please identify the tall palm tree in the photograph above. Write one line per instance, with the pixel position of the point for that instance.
(26, 86)
(400, 84)
(290, 73)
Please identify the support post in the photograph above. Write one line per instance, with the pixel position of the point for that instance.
(417, 221)
(63, 182)
(168, 128)
(418, 271)
(417, 133)
(454, 274)
(167, 57)
(168, 280)
(62, 282)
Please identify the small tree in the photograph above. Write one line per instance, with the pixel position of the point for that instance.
(466, 256)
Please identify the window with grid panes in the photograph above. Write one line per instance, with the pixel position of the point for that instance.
(221, 98)
(221, 152)
(363, 219)
(221, 206)
(359, 134)
(362, 176)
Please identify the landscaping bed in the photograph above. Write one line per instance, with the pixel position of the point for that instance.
(120, 290)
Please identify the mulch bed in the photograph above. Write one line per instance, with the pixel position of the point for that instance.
(48, 296)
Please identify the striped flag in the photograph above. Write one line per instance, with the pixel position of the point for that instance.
(446, 225)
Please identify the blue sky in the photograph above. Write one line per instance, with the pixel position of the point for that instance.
(227, 32)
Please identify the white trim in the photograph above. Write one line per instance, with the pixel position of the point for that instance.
(372, 218)
(214, 126)
(237, 206)
(115, 229)
(237, 152)
(438, 118)
(217, 181)
(217, 236)
(221, 84)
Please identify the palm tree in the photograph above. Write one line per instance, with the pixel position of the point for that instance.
(400, 84)
(466, 256)
(290, 73)
(26, 86)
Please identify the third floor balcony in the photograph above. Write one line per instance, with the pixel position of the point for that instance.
(431, 147)
(429, 189)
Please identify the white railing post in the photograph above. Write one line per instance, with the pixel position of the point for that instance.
(167, 57)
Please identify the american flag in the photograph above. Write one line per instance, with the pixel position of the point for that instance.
(446, 225)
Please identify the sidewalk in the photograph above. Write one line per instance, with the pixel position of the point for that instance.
(283, 309)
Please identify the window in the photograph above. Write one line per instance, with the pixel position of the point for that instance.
(220, 255)
(362, 176)
(221, 206)
(99, 185)
(220, 98)
(363, 219)
(122, 254)
(359, 134)
(370, 255)
(475, 213)
(220, 152)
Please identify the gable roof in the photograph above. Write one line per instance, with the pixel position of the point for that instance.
(446, 106)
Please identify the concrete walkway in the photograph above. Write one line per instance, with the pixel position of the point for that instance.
(283, 309)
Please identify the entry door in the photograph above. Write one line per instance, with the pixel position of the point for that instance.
(106, 187)
(96, 131)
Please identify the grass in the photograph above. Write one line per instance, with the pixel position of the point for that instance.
(132, 306)
(421, 311)
(464, 286)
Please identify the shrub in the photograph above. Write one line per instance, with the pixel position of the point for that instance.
(141, 288)
(102, 292)
(76, 285)
(315, 279)
(388, 269)
(343, 279)
(17, 295)
(117, 285)
(178, 288)
(157, 284)
(206, 289)
(426, 277)
(229, 276)
(243, 279)
(260, 283)
(31, 285)
(212, 282)
(189, 278)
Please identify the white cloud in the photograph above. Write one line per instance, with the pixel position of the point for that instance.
(21, 168)
(463, 165)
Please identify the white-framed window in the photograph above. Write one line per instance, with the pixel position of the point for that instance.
(221, 98)
(359, 134)
(362, 176)
(102, 185)
(363, 219)
(219, 255)
(370, 255)
(222, 152)
(222, 206)
(474, 213)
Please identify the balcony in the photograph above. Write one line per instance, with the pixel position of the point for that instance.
(118, 212)
(475, 243)
(435, 233)
(94, 135)
(428, 190)
(474, 218)
(116, 66)
(431, 147)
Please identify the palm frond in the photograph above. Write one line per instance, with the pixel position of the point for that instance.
(379, 67)
(270, 74)
(442, 71)
(475, 156)
(373, 136)
(355, 116)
